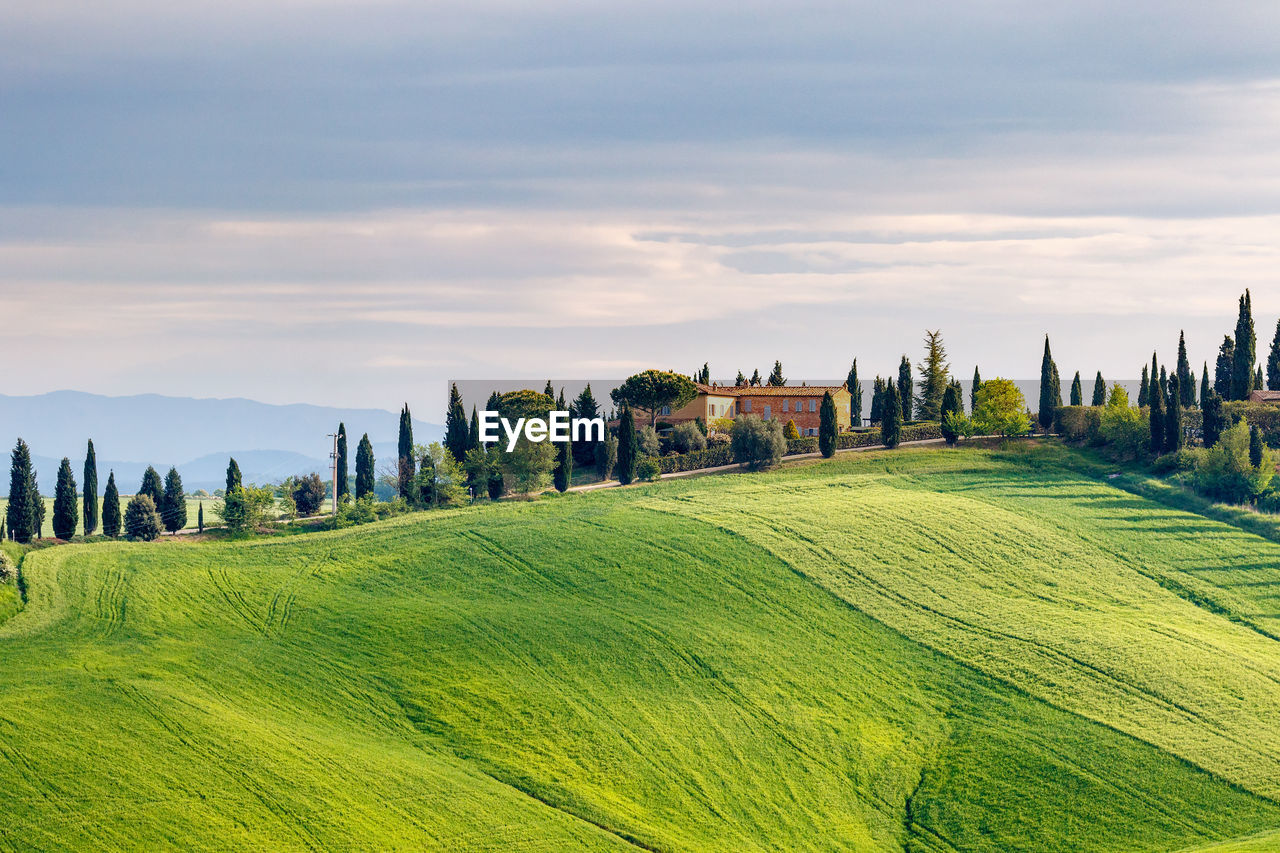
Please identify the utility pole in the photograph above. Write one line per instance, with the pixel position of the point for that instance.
(333, 458)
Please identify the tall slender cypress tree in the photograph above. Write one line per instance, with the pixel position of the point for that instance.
(1164, 386)
(628, 447)
(1157, 422)
(455, 425)
(364, 467)
(973, 390)
(1186, 379)
(905, 388)
(473, 431)
(1211, 407)
(563, 472)
(38, 505)
(173, 505)
(877, 401)
(1099, 390)
(1257, 377)
(1223, 366)
(1050, 388)
(855, 395)
(405, 466)
(1242, 376)
(827, 425)
(200, 518)
(1173, 417)
(111, 508)
(1077, 393)
(21, 512)
(1204, 385)
(952, 404)
(891, 426)
(152, 485)
(1273, 362)
(233, 476)
(342, 488)
(66, 516)
(1255, 446)
(1156, 370)
(1144, 388)
(90, 509)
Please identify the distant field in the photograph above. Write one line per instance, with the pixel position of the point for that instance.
(192, 508)
(918, 650)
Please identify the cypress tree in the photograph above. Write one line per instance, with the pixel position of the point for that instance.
(455, 425)
(827, 425)
(1144, 388)
(200, 518)
(1050, 388)
(1186, 379)
(364, 467)
(891, 426)
(549, 391)
(1156, 370)
(755, 378)
(233, 476)
(90, 511)
(173, 504)
(877, 401)
(152, 486)
(1273, 362)
(1077, 392)
(39, 506)
(1099, 391)
(585, 406)
(1222, 367)
(905, 388)
(473, 431)
(628, 448)
(1211, 428)
(1255, 446)
(66, 516)
(740, 381)
(934, 372)
(855, 395)
(1204, 384)
(563, 473)
(1173, 417)
(21, 512)
(952, 403)
(1157, 422)
(111, 508)
(776, 379)
(1164, 386)
(1242, 376)
(404, 464)
(973, 390)
(341, 487)
(1257, 378)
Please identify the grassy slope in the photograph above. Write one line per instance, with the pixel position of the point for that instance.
(654, 665)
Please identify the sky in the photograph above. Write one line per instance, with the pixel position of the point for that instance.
(350, 203)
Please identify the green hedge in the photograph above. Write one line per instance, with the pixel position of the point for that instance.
(721, 454)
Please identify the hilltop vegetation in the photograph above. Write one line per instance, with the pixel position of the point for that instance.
(924, 650)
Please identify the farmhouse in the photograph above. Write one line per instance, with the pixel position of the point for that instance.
(1260, 396)
(799, 403)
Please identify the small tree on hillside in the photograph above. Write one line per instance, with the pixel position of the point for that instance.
(111, 519)
(934, 372)
(233, 476)
(365, 477)
(173, 506)
(1050, 388)
(141, 521)
(200, 518)
(66, 515)
(404, 455)
(904, 389)
(526, 470)
(1099, 391)
(973, 389)
(309, 494)
(952, 409)
(1077, 392)
(827, 425)
(891, 425)
(152, 486)
(341, 488)
(90, 502)
(1001, 409)
(20, 513)
(855, 395)
(628, 447)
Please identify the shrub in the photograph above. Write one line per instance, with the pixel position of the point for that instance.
(7, 571)
(246, 508)
(1183, 459)
(526, 470)
(687, 438)
(141, 521)
(790, 431)
(648, 469)
(1124, 430)
(1079, 424)
(308, 494)
(757, 443)
(715, 455)
(805, 444)
(606, 456)
(1224, 472)
(650, 444)
(1001, 409)
(723, 426)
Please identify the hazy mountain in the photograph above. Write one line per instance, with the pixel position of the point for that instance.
(197, 435)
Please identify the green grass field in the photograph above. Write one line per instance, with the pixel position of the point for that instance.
(921, 650)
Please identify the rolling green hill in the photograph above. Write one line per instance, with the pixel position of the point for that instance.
(924, 650)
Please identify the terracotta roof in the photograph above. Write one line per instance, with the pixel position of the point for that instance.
(1264, 396)
(767, 390)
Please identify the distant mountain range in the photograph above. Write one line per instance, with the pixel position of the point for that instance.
(269, 442)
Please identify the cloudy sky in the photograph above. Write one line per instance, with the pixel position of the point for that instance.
(351, 202)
